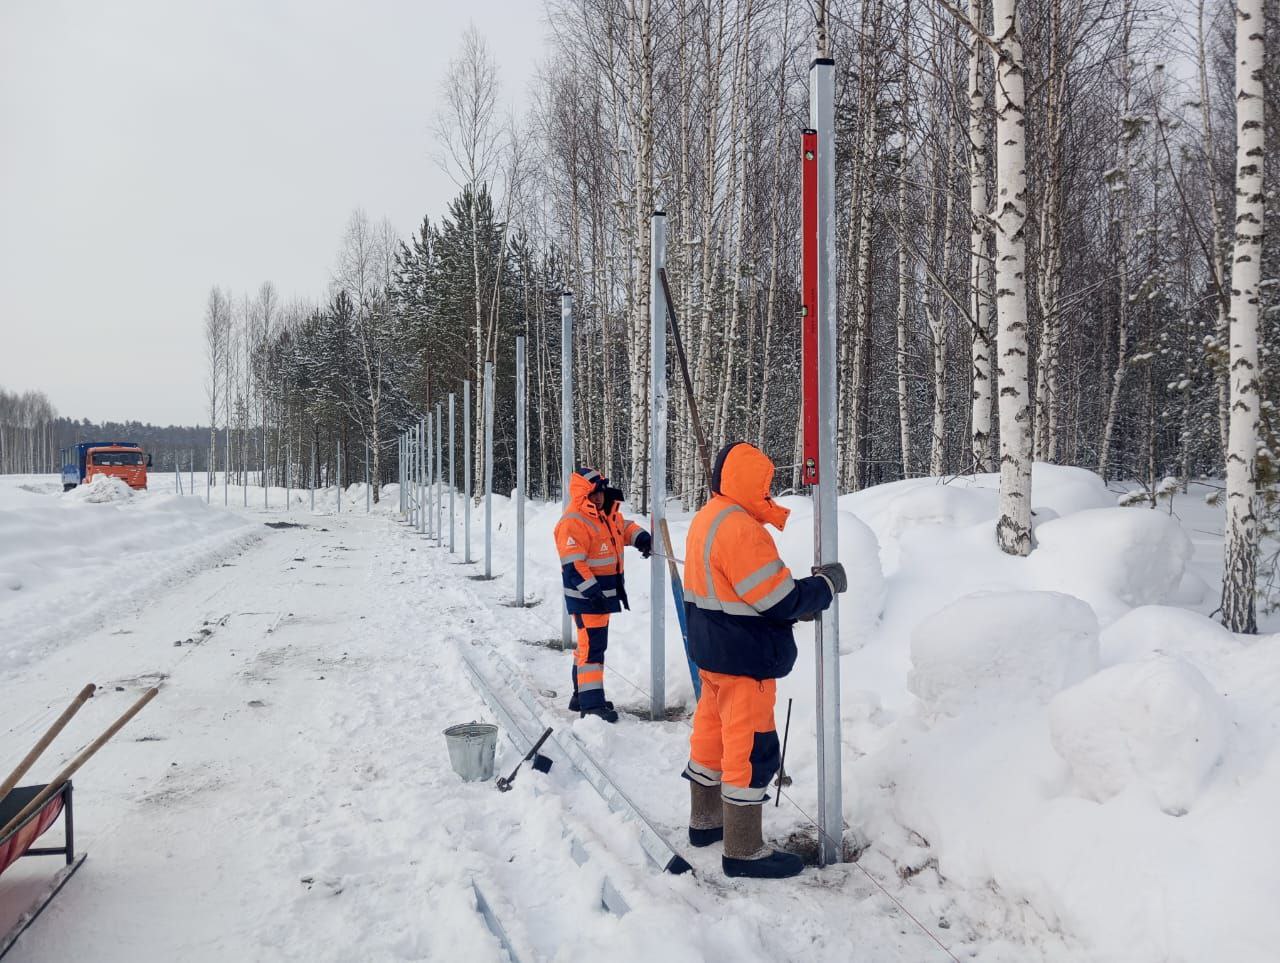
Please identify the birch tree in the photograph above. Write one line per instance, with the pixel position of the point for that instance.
(1014, 526)
(1241, 550)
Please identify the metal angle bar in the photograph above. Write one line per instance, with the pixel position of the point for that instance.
(610, 898)
(491, 921)
(654, 844)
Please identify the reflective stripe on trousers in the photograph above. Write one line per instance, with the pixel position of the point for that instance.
(588, 669)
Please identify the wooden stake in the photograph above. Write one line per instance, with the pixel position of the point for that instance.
(69, 770)
(85, 694)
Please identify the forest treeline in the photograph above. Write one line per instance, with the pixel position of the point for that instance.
(32, 433)
(1114, 228)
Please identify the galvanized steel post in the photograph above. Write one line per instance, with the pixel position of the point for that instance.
(657, 464)
(368, 492)
(453, 481)
(827, 625)
(466, 471)
(488, 469)
(520, 468)
(439, 475)
(566, 427)
(339, 476)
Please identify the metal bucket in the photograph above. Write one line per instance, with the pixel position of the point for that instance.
(471, 749)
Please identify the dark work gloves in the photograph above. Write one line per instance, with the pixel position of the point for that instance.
(833, 572)
(644, 543)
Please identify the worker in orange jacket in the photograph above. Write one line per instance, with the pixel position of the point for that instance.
(590, 538)
(741, 602)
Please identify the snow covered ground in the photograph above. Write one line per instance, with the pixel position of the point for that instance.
(1054, 758)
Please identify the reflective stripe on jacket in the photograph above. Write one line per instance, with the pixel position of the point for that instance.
(590, 548)
(740, 599)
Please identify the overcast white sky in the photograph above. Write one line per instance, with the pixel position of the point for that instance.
(152, 148)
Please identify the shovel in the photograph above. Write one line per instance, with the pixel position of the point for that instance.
(541, 763)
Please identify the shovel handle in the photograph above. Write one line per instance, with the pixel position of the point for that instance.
(12, 780)
(69, 770)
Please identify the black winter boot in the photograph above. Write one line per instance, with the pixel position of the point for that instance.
(573, 703)
(706, 815)
(605, 712)
(745, 853)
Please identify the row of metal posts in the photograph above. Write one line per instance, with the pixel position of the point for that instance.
(288, 478)
(423, 487)
(822, 120)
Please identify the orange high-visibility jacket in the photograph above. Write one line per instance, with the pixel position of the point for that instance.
(590, 547)
(740, 599)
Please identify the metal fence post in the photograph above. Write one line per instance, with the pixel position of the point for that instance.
(566, 428)
(265, 504)
(440, 474)
(368, 492)
(288, 477)
(488, 469)
(422, 479)
(827, 625)
(466, 471)
(314, 469)
(520, 468)
(453, 482)
(339, 476)
(657, 464)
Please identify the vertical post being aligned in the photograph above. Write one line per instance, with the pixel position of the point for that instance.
(488, 469)
(288, 477)
(421, 489)
(520, 469)
(263, 473)
(191, 471)
(313, 475)
(440, 474)
(339, 475)
(657, 464)
(368, 492)
(827, 625)
(429, 476)
(566, 428)
(466, 471)
(226, 464)
(453, 480)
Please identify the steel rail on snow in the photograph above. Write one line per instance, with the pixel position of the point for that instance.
(610, 898)
(655, 846)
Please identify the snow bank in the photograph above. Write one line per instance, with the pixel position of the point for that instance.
(1157, 723)
(1113, 558)
(966, 500)
(101, 490)
(1001, 646)
(859, 552)
(66, 560)
(1152, 630)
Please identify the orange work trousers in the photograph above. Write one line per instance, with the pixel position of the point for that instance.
(735, 742)
(588, 669)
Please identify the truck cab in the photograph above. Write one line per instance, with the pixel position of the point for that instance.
(120, 459)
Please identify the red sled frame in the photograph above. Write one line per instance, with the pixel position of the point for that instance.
(60, 804)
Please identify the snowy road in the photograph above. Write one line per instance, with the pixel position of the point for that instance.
(289, 796)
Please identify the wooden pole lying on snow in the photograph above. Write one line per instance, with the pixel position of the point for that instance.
(12, 780)
(69, 770)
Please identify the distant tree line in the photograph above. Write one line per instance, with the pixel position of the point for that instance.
(32, 434)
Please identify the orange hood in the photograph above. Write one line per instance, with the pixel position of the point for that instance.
(580, 488)
(744, 474)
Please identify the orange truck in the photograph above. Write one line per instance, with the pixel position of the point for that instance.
(120, 459)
